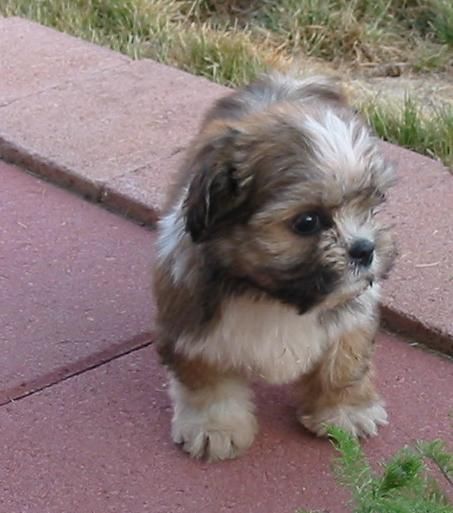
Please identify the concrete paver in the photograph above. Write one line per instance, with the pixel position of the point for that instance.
(34, 58)
(99, 442)
(139, 194)
(115, 131)
(75, 295)
(74, 284)
(418, 298)
(105, 126)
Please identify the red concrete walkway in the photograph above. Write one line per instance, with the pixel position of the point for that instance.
(114, 130)
(95, 439)
(74, 284)
(84, 415)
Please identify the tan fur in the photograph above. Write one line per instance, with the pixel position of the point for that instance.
(242, 294)
(343, 376)
(340, 389)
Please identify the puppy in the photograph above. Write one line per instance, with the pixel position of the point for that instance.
(269, 258)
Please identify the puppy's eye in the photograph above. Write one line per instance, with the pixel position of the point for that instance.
(308, 223)
(380, 196)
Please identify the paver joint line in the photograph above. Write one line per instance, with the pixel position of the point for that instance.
(406, 326)
(105, 436)
(73, 293)
(76, 368)
(61, 84)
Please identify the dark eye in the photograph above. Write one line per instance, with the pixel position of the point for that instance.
(380, 196)
(308, 223)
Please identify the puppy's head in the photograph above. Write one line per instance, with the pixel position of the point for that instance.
(284, 190)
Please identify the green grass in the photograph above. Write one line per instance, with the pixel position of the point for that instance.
(407, 125)
(224, 56)
(135, 27)
(439, 21)
(157, 29)
(405, 483)
(356, 32)
(333, 30)
(231, 41)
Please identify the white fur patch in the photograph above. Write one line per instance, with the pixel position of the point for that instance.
(359, 421)
(170, 243)
(339, 145)
(263, 338)
(217, 423)
(171, 231)
(353, 228)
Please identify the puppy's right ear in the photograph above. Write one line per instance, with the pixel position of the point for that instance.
(219, 188)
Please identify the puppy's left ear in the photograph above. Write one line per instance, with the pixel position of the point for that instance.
(220, 187)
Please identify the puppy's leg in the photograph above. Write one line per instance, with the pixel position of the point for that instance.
(213, 413)
(340, 391)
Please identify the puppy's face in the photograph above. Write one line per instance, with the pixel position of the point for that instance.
(286, 201)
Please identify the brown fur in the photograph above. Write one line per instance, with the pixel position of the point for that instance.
(342, 377)
(255, 166)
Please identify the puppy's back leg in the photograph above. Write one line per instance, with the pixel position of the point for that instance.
(213, 411)
(340, 391)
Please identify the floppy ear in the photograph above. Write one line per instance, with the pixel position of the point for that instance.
(219, 189)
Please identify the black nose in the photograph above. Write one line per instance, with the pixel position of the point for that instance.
(361, 252)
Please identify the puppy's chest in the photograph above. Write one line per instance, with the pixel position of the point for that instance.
(264, 339)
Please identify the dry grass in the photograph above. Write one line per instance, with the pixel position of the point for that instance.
(228, 41)
(417, 33)
(159, 29)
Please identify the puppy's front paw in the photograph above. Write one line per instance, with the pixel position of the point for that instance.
(208, 438)
(360, 421)
(220, 427)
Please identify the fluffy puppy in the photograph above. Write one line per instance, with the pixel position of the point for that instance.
(269, 262)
